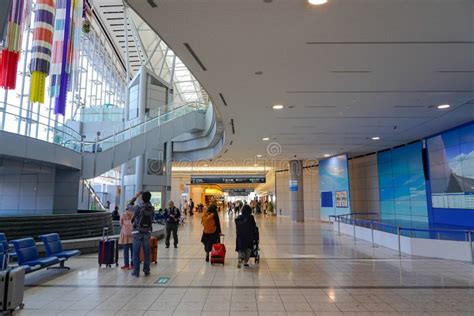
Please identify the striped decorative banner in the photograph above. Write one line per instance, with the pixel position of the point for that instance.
(10, 55)
(41, 50)
(61, 48)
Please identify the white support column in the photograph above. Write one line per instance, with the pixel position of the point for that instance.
(296, 190)
(142, 95)
(168, 160)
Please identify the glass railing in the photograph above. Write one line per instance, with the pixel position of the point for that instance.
(19, 121)
(106, 113)
(15, 120)
(141, 128)
(440, 233)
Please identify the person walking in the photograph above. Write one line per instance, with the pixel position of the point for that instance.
(142, 227)
(191, 207)
(186, 207)
(125, 239)
(172, 217)
(246, 228)
(211, 229)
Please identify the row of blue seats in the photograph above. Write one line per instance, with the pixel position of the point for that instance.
(27, 254)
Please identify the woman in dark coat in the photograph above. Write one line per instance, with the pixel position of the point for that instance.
(211, 236)
(246, 233)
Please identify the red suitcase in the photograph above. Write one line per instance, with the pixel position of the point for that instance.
(218, 253)
(153, 251)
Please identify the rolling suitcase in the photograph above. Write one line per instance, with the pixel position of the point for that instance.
(153, 251)
(12, 288)
(3, 258)
(218, 253)
(108, 250)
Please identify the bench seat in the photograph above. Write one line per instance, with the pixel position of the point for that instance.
(54, 247)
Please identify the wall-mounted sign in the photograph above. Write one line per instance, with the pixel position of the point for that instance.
(293, 185)
(238, 192)
(341, 199)
(227, 179)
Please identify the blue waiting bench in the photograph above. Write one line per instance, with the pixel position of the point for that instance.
(6, 246)
(28, 256)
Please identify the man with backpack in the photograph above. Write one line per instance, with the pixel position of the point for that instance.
(172, 217)
(142, 228)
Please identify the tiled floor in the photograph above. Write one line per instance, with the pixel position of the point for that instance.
(305, 269)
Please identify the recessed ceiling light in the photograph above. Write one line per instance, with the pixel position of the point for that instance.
(375, 138)
(317, 2)
(444, 106)
(327, 155)
(259, 156)
(265, 139)
(278, 107)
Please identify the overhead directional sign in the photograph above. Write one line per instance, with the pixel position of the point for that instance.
(227, 179)
(238, 192)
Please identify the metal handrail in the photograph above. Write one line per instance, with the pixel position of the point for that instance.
(94, 194)
(63, 136)
(344, 219)
(6, 109)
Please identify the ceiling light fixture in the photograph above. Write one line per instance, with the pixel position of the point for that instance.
(375, 138)
(327, 155)
(317, 2)
(259, 156)
(265, 139)
(444, 106)
(278, 107)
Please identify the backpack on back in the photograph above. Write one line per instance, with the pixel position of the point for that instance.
(145, 223)
(209, 223)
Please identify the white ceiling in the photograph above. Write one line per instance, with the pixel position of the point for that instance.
(352, 69)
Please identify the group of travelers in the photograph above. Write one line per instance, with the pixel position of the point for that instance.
(256, 207)
(136, 225)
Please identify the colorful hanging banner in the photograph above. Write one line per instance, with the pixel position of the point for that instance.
(10, 55)
(41, 50)
(66, 42)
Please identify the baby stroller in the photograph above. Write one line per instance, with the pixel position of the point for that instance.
(255, 253)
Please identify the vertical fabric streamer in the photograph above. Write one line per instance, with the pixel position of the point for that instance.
(61, 45)
(41, 50)
(66, 42)
(10, 55)
(77, 19)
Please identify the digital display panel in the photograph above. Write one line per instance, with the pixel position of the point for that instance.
(228, 180)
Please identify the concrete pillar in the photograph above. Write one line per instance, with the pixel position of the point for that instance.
(296, 190)
(168, 160)
(142, 95)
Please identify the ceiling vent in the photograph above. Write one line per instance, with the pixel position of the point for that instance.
(223, 99)
(152, 3)
(232, 125)
(191, 51)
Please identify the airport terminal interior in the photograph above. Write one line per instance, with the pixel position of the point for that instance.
(345, 128)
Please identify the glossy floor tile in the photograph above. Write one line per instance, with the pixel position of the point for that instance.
(305, 269)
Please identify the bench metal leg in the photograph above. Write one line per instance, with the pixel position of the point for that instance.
(61, 266)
